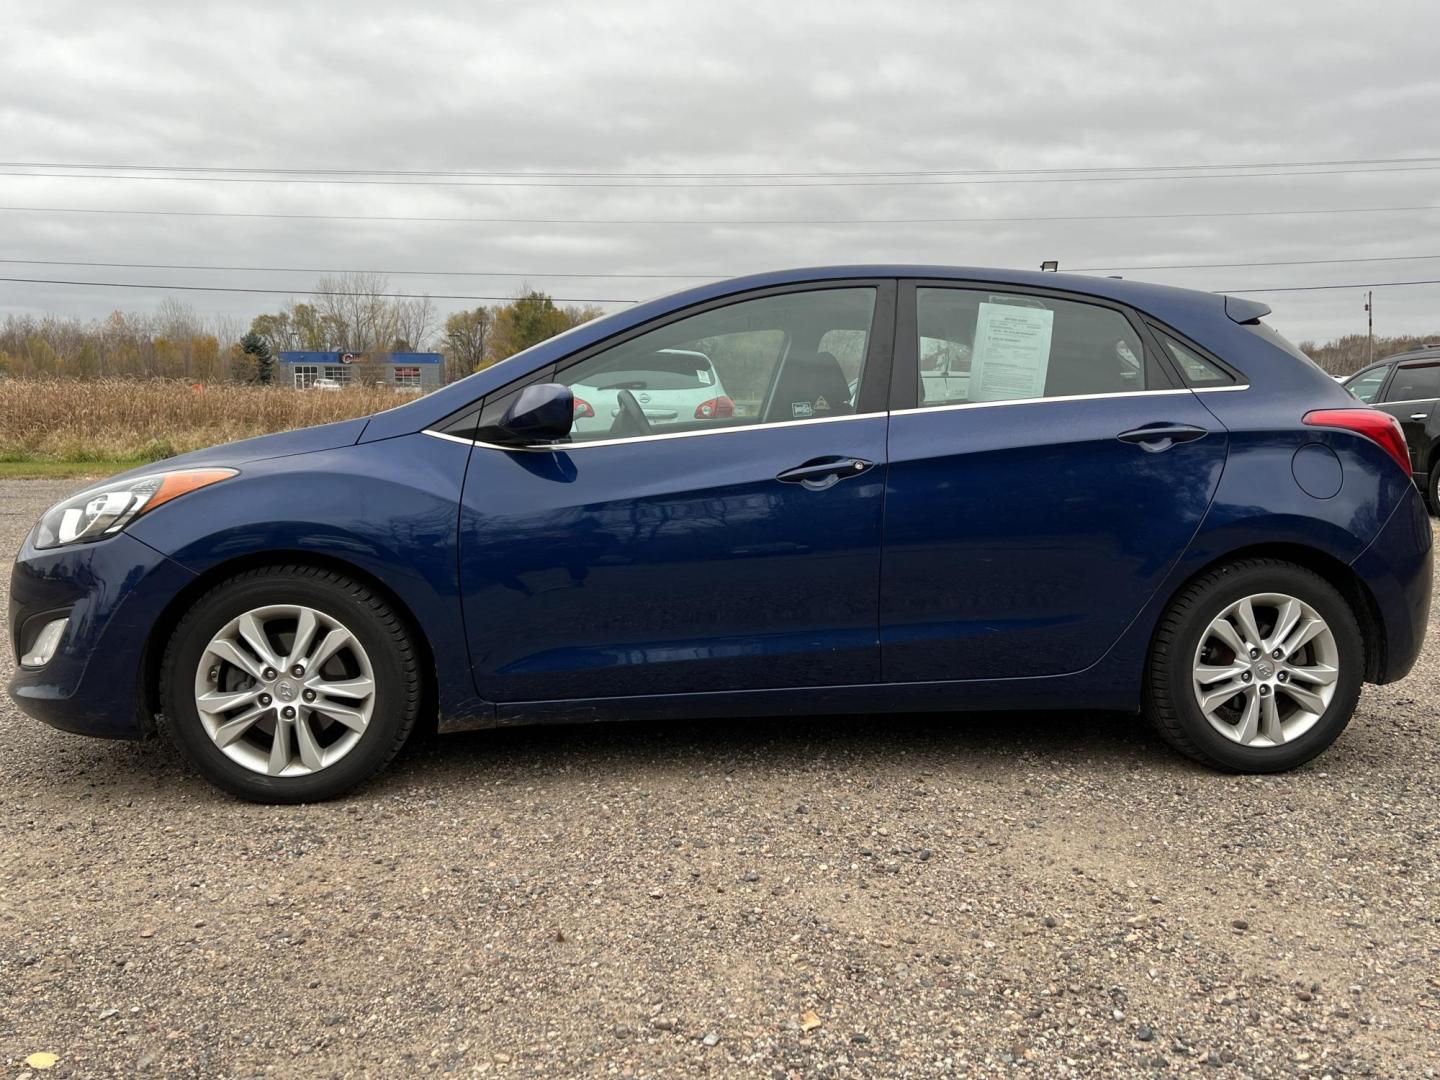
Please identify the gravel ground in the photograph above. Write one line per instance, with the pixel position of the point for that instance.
(1030, 895)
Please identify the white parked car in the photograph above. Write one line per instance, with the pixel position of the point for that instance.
(671, 386)
(325, 384)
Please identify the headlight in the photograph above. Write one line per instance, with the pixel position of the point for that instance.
(107, 508)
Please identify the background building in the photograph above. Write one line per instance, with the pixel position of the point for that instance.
(413, 370)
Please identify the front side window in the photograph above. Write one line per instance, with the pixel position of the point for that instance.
(791, 356)
(975, 345)
(1367, 387)
(1414, 382)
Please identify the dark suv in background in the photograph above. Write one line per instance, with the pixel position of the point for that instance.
(1407, 386)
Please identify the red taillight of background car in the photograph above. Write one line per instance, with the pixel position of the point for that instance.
(583, 408)
(1378, 427)
(716, 408)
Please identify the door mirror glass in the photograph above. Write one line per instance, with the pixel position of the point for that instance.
(540, 413)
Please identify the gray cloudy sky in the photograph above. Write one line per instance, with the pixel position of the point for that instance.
(627, 86)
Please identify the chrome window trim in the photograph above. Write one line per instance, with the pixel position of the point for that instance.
(448, 438)
(1167, 391)
(1059, 399)
(1402, 401)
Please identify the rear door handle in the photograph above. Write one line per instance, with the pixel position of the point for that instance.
(1419, 416)
(824, 472)
(1157, 437)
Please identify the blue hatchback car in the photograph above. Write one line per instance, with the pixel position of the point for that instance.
(898, 488)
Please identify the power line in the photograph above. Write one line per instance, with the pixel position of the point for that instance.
(570, 300)
(627, 184)
(293, 292)
(582, 276)
(661, 175)
(714, 222)
(394, 273)
(1319, 288)
(1223, 266)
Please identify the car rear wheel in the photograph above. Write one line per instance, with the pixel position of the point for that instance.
(290, 684)
(1256, 667)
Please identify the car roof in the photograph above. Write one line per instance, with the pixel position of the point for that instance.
(1424, 352)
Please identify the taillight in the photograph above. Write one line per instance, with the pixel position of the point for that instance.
(716, 408)
(1378, 427)
(583, 408)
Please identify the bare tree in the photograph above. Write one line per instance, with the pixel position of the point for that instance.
(415, 322)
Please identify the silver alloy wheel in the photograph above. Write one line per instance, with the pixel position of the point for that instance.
(1265, 670)
(285, 690)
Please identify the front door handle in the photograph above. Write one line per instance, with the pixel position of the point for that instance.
(1157, 437)
(1419, 416)
(823, 472)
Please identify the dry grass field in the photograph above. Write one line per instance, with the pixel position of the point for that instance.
(53, 422)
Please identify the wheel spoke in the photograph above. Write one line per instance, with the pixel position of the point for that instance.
(355, 721)
(1249, 720)
(232, 729)
(253, 634)
(1221, 695)
(1306, 699)
(1286, 616)
(1249, 629)
(352, 689)
(1205, 674)
(219, 701)
(1270, 720)
(305, 627)
(231, 653)
(332, 643)
(1306, 633)
(305, 739)
(1223, 629)
(279, 749)
(1315, 674)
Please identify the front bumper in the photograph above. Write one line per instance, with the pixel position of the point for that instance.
(1396, 568)
(113, 592)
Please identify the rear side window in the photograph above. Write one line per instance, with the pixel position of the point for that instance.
(1414, 382)
(1196, 370)
(976, 345)
(1367, 387)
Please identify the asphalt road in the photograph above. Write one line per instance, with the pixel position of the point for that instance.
(1046, 896)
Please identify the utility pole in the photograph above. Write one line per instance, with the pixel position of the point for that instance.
(1370, 327)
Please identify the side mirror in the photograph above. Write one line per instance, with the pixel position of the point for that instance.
(540, 413)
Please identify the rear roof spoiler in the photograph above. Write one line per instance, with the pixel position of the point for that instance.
(1245, 311)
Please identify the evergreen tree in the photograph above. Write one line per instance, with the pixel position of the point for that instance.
(258, 352)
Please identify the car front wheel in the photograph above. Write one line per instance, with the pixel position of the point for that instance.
(1256, 667)
(290, 684)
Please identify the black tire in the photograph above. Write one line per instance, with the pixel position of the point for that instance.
(1432, 489)
(1169, 698)
(397, 677)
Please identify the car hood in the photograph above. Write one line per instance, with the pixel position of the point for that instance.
(281, 444)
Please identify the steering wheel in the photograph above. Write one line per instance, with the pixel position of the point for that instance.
(632, 419)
